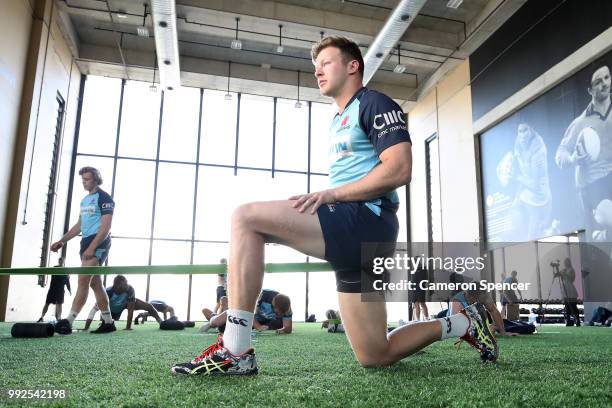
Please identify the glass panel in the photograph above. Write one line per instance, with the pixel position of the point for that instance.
(129, 252)
(204, 292)
(172, 289)
(180, 125)
(285, 185)
(291, 136)
(98, 132)
(319, 183)
(174, 206)
(220, 192)
(322, 115)
(322, 294)
(218, 138)
(134, 198)
(255, 141)
(139, 121)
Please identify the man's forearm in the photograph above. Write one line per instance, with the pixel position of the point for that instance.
(382, 179)
(73, 232)
(130, 315)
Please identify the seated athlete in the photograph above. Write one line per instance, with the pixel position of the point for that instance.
(221, 293)
(216, 319)
(122, 296)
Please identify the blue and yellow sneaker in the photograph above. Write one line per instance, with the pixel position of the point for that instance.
(479, 334)
(217, 360)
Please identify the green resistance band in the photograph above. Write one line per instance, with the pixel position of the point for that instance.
(162, 269)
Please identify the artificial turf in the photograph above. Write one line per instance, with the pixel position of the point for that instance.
(557, 367)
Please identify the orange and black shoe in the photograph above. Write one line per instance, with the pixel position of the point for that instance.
(217, 360)
(479, 334)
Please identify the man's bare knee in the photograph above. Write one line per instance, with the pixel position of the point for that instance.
(375, 355)
(369, 360)
(84, 280)
(242, 215)
(251, 216)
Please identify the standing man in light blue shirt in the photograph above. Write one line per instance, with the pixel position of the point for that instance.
(95, 219)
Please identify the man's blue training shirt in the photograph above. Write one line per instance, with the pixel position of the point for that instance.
(370, 123)
(93, 207)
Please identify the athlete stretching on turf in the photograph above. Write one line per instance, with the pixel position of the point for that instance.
(122, 296)
(94, 224)
(370, 156)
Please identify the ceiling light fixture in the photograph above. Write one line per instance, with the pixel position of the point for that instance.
(142, 31)
(298, 104)
(280, 47)
(236, 43)
(228, 95)
(399, 68)
(454, 3)
(163, 13)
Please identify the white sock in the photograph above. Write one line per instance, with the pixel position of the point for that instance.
(454, 326)
(72, 316)
(237, 336)
(92, 314)
(106, 317)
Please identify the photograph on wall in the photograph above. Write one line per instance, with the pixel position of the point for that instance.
(547, 169)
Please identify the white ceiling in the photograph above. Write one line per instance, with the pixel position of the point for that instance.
(103, 37)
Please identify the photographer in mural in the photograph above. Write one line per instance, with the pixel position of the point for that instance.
(527, 166)
(587, 145)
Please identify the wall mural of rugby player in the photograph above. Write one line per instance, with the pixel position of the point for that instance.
(587, 145)
(547, 169)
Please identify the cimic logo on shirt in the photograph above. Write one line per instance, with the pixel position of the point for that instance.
(387, 119)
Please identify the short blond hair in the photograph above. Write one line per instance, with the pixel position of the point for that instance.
(349, 49)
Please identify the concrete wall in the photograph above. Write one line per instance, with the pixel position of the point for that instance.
(48, 70)
(15, 23)
(446, 111)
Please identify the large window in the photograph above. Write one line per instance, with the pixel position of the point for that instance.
(182, 163)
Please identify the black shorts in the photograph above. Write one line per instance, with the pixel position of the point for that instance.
(418, 295)
(159, 305)
(221, 291)
(348, 225)
(55, 294)
(101, 251)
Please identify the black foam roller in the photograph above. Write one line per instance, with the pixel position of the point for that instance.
(189, 323)
(171, 325)
(26, 330)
